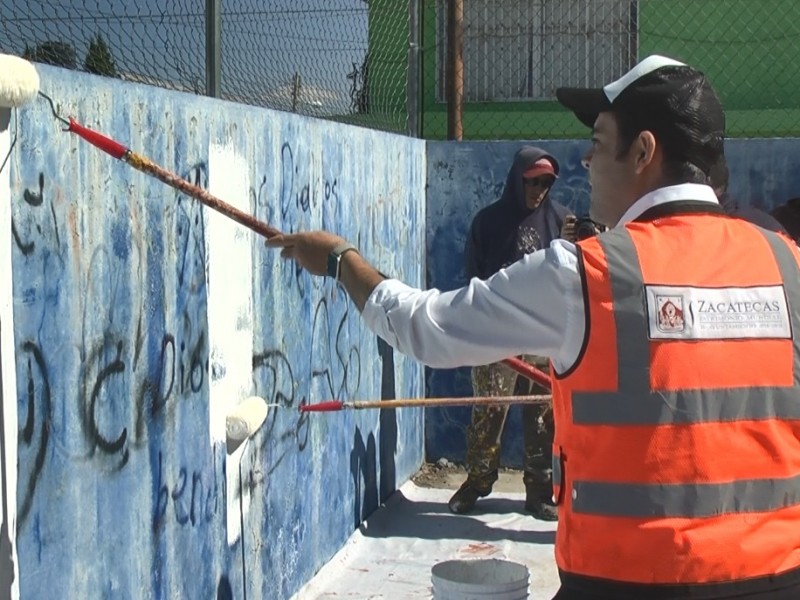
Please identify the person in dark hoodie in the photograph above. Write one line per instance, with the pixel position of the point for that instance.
(719, 178)
(788, 215)
(523, 220)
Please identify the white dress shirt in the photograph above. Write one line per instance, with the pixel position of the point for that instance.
(534, 306)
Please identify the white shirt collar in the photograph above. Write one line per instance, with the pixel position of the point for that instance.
(672, 193)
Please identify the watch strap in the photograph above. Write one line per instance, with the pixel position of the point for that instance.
(335, 259)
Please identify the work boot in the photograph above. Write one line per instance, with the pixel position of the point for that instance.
(539, 503)
(463, 501)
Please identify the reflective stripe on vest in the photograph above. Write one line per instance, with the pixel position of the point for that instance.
(634, 403)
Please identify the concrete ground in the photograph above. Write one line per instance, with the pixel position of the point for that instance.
(391, 555)
(447, 475)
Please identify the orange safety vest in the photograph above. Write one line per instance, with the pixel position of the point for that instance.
(677, 445)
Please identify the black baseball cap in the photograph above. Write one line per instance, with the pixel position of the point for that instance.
(669, 98)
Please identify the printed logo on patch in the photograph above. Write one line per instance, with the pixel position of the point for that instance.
(670, 314)
(724, 313)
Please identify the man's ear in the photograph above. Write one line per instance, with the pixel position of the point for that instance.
(644, 150)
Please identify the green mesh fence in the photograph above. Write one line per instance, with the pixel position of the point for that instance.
(337, 59)
(517, 52)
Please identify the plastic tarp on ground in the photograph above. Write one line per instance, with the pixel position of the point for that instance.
(391, 555)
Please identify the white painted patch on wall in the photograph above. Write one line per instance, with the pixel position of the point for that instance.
(237, 495)
(230, 306)
(9, 577)
(230, 316)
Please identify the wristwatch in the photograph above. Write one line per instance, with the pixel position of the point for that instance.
(335, 259)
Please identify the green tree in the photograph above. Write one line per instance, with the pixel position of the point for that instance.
(58, 53)
(98, 59)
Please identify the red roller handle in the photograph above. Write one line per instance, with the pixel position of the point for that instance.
(332, 405)
(106, 144)
(147, 166)
(529, 371)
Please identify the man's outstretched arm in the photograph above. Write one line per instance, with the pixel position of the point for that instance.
(311, 250)
(535, 306)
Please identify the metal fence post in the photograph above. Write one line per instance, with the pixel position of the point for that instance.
(213, 48)
(455, 69)
(414, 120)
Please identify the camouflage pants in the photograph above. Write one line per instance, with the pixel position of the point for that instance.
(486, 428)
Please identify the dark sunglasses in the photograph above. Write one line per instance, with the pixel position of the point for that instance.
(537, 181)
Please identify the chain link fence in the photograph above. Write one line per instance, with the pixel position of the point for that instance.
(515, 53)
(384, 63)
(339, 59)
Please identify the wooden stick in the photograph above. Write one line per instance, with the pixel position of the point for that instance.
(466, 401)
(335, 405)
(148, 167)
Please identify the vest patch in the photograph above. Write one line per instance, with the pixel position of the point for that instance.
(693, 313)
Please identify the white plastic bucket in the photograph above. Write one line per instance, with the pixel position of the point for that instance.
(483, 579)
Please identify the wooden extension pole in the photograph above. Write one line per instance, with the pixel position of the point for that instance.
(335, 405)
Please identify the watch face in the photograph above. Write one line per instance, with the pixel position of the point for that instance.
(333, 264)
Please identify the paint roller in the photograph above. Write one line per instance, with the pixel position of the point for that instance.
(19, 84)
(19, 81)
(245, 419)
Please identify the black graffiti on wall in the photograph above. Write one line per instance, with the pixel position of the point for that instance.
(37, 389)
(337, 364)
(129, 382)
(297, 195)
(294, 195)
(186, 494)
(332, 370)
(24, 240)
(122, 392)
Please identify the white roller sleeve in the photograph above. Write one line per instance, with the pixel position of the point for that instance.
(244, 420)
(19, 81)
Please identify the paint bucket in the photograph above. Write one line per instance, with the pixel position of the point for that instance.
(482, 579)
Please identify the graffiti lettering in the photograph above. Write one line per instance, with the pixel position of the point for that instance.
(114, 366)
(109, 446)
(37, 372)
(193, 502)
(33, 200)
(330, 190)
(348, 359)
(301, 198)
(191, 234)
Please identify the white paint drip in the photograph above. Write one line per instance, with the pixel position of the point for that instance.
(8, 367)
(237, 496)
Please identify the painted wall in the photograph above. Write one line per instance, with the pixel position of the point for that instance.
(141, 318)
(465, 176)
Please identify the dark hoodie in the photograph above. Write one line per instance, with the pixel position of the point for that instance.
(506, 230)
(788, 215)
(719, 177)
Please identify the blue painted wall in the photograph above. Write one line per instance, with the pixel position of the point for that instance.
(465, 176)
(122, 481)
